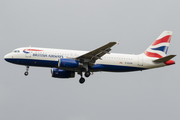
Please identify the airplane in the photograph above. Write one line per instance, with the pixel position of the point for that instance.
(65, 63)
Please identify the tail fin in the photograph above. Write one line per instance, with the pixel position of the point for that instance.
(160, 46)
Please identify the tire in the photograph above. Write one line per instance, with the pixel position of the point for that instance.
(87, 74)
(26, 73)
(82, 80)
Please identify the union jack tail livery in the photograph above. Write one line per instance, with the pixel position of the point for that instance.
(160, 46)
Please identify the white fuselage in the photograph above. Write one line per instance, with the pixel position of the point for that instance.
(114, 62)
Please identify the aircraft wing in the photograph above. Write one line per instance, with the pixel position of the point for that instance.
(92, 56)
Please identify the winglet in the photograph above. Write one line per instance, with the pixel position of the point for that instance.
(117, 42)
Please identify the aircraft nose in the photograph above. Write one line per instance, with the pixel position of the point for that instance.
(6, 57)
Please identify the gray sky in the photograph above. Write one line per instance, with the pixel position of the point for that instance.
(86, 25)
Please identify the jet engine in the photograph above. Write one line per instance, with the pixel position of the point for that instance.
(59, 73)
(69, 63)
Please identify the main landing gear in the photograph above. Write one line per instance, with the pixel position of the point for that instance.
(81, 80)
(86, 74)
(27, 68)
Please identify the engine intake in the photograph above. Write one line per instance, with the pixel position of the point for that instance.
(59, 73)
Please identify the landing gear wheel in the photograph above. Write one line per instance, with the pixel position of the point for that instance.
(87, 74)
(26, 73)
(27, 68)
(82, 80)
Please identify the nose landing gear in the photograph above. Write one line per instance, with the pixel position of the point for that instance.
(27, 68)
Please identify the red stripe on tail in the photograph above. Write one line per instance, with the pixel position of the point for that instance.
(150, 54)
(165, 39)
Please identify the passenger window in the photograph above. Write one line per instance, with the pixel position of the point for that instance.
(16, 51)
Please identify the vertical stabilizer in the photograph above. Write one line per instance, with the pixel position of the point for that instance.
(160, 46)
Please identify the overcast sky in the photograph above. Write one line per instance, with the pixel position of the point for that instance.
(86, 25)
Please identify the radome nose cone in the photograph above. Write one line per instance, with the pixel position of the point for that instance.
(6, 57)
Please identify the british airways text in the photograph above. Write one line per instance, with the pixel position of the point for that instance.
(45, 55)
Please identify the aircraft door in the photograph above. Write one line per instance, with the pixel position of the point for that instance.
(28, 54)
(140, 60)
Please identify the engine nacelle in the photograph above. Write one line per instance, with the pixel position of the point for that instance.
(59, 73)
(69, 63)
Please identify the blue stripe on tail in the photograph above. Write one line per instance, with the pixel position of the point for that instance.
(162, 48)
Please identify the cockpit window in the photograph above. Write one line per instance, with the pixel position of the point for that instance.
(16, 51)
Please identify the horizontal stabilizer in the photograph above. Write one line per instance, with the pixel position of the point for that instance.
(164, 59)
